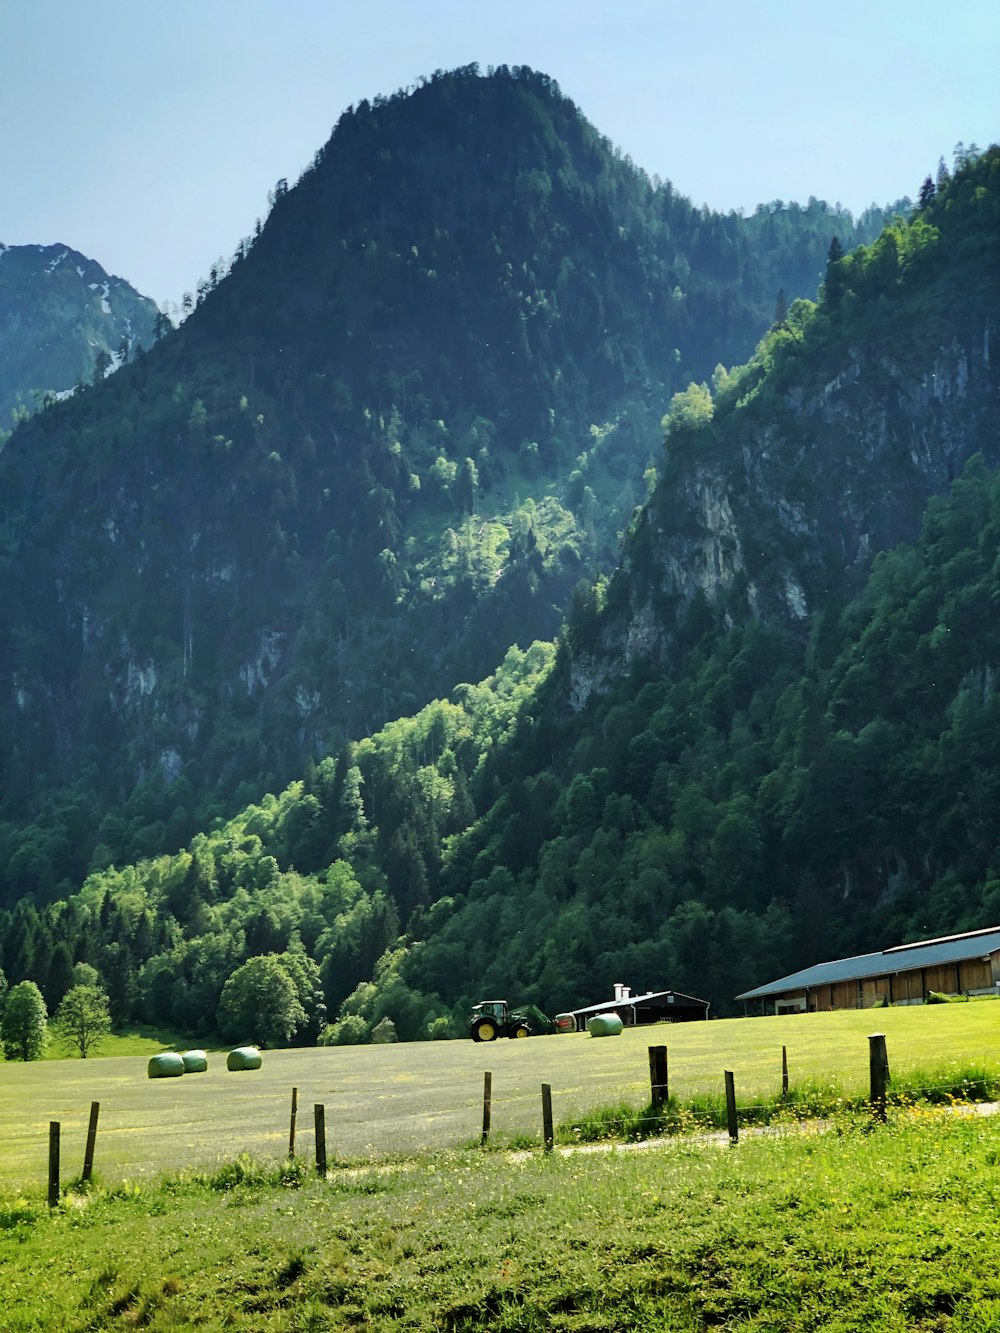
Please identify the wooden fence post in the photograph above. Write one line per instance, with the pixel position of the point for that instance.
(659, 1085)
(734, 1129)
(487, 1105)
(319, 1115)
(53, 1163)
(784, 1071)
(88, 1153)
(547, 1132)
(291, 1125)
(878, 1069)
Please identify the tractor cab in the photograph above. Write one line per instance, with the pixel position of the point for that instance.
(490, 1019)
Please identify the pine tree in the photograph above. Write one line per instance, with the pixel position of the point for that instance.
(834, 284)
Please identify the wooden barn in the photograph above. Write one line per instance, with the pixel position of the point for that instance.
(663, 1006)
(966, 964)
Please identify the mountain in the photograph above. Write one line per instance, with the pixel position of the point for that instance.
(762, 742)
(827, 446)
(768, 738)
(418, 410)
(59, 313)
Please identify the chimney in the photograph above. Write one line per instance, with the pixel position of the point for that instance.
(622, 991)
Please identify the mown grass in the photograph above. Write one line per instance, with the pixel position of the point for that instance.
(891, 1229)
(427, 1096)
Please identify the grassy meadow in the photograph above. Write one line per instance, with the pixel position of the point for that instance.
(196, 1220)
(861, 1229)
(385, 1101)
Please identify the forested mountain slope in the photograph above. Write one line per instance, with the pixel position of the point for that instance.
(416, 412)
(63, 322)
(826, 447)
(771, 760)
(776, 779)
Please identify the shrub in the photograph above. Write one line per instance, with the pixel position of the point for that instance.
(351, 1030)
(439, 1029)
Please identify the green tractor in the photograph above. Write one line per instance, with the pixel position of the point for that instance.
(494, 1018)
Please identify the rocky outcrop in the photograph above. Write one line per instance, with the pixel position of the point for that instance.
(788, 497)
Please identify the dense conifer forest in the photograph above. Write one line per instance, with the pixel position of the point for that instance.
(759, 739)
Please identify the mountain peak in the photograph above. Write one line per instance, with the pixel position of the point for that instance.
(59, 312)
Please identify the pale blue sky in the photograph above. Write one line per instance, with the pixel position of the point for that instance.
(147, 133)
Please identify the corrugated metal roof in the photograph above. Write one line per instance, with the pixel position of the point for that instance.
(639, 999)
(902, 958)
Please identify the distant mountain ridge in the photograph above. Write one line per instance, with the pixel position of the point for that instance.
(58, 311)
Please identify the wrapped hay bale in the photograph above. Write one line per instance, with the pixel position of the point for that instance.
(244, 1057)
(195, 1062)
(166, 1065)
(565, 1022)
(605, 1025)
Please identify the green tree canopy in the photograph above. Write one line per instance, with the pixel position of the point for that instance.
(83, 1018)
(24, 1024)
(260, 1002)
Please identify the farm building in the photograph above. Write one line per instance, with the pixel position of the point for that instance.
(966, 964)
(664, 1006)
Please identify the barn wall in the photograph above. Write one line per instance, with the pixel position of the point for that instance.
(976, 974)
(941, 978)
(908, 987)
(844, 995)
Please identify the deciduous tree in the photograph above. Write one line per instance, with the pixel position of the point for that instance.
(260, 1002)
(24, 1025)
(83, 1018)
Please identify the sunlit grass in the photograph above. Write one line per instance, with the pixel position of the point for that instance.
(382, 1101)
(888, 1229)
(137, 1040)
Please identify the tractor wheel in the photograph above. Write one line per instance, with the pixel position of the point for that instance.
(484, 1030)
(521, 1031)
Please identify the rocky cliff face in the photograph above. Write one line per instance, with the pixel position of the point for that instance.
(824, 453)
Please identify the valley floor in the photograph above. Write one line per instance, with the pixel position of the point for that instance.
(882, 1228)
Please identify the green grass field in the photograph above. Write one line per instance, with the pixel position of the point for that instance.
(132, 1041)
(385, 1101)
(857, 1230)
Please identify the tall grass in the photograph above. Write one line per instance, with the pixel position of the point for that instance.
(707, 1112)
